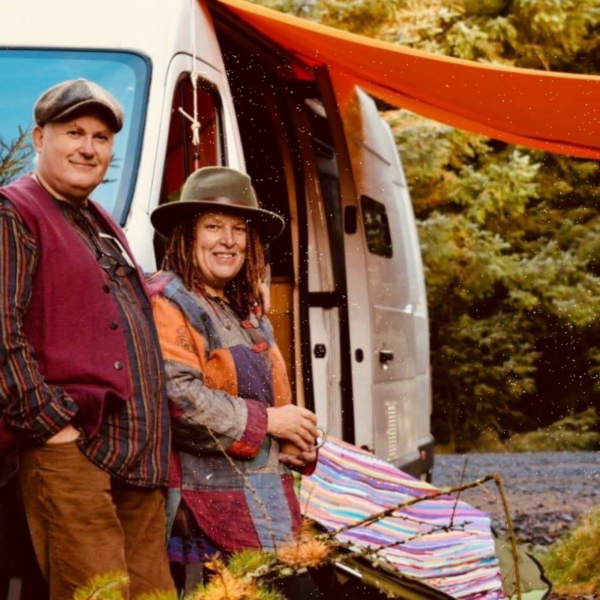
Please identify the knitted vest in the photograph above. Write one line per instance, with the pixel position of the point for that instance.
(70, 321)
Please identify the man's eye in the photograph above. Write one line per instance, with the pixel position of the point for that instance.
(102, 138)
(73, 132)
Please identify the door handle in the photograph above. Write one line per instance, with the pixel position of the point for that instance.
(385, 357)
(320, 351)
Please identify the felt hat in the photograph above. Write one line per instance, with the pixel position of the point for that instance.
(218, 189)
(69, 97)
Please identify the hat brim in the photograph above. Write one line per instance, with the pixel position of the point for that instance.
(164, 218)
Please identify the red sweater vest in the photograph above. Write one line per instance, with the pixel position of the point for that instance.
(68, 320)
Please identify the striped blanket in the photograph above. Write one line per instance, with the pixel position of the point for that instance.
(442, 543)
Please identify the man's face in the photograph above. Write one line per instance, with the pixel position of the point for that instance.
(73, 155)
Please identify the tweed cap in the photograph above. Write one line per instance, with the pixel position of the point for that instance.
(218, 189)
(68, 97)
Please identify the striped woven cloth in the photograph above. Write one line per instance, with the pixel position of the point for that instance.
(444, 544)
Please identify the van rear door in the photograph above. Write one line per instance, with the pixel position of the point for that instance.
(398, 313)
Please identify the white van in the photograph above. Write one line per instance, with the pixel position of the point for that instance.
(348, 291)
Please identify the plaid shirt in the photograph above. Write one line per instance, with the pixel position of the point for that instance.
(220, 379)
(133, 442)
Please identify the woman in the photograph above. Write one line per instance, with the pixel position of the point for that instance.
(230, 486)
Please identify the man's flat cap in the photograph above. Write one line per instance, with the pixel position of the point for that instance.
(70, 97)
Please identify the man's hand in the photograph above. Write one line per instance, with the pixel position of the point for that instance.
(64, 436)
(293, 423)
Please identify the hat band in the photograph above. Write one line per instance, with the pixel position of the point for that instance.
(226, 200)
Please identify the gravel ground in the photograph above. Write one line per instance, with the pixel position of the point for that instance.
(547, 491)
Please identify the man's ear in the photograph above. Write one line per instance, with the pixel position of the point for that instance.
(38, 137)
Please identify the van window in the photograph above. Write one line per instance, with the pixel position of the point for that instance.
(377, 227)
(182, 156)
(26, 74)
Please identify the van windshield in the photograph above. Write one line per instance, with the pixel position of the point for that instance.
(26, 74)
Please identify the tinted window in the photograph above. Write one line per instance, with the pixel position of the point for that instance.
(377, 227)
(26, 74)
(183, 158)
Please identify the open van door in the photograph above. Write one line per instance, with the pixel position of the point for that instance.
(399, 333)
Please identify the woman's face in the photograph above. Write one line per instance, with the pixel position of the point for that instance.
(220, 249)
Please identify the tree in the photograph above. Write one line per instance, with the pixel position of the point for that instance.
(14, 156)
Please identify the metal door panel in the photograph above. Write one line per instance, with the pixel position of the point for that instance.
(393, 331)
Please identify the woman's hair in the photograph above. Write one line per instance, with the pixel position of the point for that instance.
(242, 291)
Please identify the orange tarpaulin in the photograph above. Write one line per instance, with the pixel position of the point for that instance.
(556, 112)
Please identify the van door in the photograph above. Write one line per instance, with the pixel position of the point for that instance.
(323, 288)
(398, 313)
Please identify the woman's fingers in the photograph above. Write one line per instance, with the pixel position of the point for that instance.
(308, 433)
(309, 457)
(292, 461)
(311, 428)
(293, 423)
(308, 414)
(298, 460)
(300, 442)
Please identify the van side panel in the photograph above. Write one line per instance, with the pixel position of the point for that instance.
(399, 333)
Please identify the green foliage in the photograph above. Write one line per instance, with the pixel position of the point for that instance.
(575, 560)
(572, 434)
(227, 583)
(484, 367)
(110, 586)
(249, 561)
(14, 156)
(159, 596)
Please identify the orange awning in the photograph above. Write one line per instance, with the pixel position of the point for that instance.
(556, 112)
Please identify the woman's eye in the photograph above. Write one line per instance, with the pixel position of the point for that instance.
(212, 226)
(241, 229)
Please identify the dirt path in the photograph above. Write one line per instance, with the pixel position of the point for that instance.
(547, 491)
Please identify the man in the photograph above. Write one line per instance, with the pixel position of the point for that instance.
(81, 376)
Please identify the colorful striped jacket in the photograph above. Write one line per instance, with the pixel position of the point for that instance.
(224, 468)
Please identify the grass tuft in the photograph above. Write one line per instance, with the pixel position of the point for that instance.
(573, 563)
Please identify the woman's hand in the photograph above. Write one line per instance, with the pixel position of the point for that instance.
(298, 460)
(293, 423)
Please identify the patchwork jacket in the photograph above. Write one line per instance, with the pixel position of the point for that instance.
(220, 381)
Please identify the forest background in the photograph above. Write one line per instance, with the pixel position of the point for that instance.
(510, 236)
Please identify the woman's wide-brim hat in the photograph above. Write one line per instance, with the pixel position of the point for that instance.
(218, 189)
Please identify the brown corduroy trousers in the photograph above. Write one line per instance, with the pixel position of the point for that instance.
(84, 523)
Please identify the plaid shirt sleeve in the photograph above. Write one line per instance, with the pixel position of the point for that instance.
(27, 404)
(204, 419)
